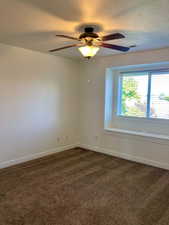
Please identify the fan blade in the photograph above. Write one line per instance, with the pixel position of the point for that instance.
(112, 37)
(68, 46)
(115, 47)
(65, 36)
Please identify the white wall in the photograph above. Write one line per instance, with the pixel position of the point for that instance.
(148, 150)
(42, 97)
(38, 104)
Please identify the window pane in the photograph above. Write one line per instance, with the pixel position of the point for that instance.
(134, 95)
(160, 96)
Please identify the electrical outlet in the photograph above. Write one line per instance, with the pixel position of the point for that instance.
(66, 138)
(96, 138)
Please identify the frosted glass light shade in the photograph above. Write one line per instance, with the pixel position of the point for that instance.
(88, 51)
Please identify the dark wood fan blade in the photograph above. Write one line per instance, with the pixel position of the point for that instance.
(65, 36)
(112, 37)
(115, 47)
(68, 46)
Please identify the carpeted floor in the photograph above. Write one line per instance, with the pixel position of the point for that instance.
(79, 187)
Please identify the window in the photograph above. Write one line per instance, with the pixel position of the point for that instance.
(144, 94)
(137, 100)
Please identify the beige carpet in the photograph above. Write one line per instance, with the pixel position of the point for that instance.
(79, 187)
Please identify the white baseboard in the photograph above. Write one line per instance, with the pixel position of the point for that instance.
(125, 156)
(89, 147)
(35, 156)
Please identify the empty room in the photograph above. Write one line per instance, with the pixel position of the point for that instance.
(84, 112)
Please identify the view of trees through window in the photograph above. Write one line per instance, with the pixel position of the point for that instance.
(135, 100)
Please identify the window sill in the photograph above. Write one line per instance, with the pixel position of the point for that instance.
(144, 118)
(143, 134)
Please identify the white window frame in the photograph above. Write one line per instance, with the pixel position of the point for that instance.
(148, 73)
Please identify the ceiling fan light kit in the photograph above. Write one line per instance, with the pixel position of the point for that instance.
(91, 42)
(88, 51)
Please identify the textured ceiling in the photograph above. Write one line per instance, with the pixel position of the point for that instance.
(33, 24)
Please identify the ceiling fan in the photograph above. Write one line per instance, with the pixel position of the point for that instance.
(91, 42)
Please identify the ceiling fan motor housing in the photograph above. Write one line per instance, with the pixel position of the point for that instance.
(89, 33)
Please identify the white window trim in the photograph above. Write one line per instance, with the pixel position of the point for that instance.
(144, 134)
(109, 94)
(150, 73)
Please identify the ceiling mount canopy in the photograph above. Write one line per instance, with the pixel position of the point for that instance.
(89, 29)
